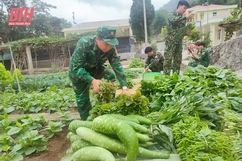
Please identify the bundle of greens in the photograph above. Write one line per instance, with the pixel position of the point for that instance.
(196, 141)
(106, 91)
(123, 104)
(231, 125)
(200, 91)
(182, 31)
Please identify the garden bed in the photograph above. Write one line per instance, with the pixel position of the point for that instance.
(57, 147)
(204, 103)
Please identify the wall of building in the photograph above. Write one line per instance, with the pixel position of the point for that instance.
(209, 19)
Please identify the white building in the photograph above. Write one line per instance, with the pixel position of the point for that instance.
(208, 17)
(123, 33)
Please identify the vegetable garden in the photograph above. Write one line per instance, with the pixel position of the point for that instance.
(196, 115)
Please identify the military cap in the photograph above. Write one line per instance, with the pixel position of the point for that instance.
(108, 34)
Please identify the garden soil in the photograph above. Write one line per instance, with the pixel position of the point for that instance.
(57, 147)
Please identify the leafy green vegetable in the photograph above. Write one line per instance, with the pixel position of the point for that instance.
(131, 74)
(182, 31)
(123, 104)
(136, 63)
(196, 141)
(163, 137)
(106, 92)
(52, 99)
(6, 78)
(25, 136)
(200, 91)
(231, 125)
(43, 82)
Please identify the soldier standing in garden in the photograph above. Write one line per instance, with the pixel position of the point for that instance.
(173, 49)
(87, 66)
(154, 62)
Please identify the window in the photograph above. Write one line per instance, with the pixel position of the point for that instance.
(219, 34)
(214, 14)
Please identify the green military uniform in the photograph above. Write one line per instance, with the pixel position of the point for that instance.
(155, 62)
(87, 63)
(173, 49)
(203, 59)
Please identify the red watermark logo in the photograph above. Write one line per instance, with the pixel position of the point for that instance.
(21, 16)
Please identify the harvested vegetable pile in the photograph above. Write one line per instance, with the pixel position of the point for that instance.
(208, 94)
(124, 136)
(197, 115)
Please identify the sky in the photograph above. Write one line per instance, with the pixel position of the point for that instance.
(95, 10)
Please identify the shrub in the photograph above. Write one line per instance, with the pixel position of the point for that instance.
(136, 63)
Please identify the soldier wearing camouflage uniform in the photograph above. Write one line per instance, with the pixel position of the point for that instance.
(87, 66)
(201, 58)
(173, 49)
(154, 62)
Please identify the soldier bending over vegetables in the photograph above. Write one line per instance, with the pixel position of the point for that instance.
(87, 66)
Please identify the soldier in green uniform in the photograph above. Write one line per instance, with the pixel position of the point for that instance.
(202, 57)
(173, 49)
(192, 51)
(87, 66)
(154, 62)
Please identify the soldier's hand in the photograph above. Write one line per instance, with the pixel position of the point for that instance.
(189, 15)
(95, 84)
(114, 83)
(146, 69)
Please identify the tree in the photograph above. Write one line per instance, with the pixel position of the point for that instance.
(41, 7)
(160, 20)
(163, 32)
(13, 3)
(4, 29)
(232, 23)
(206, 39)
(137, 18)
(195, 35)
(43, 24)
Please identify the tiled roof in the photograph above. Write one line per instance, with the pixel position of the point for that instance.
(205, 7)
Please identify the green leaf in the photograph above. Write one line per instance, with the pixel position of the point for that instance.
(220, 74)
(205, 132)
(29, 150)
(41, 148)
(218, 83)
(38, 137)
(17, 157)
(5, 148)
(13, 130)
(222, 94)
(167, 131)
(9, 109)
(17, 147)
